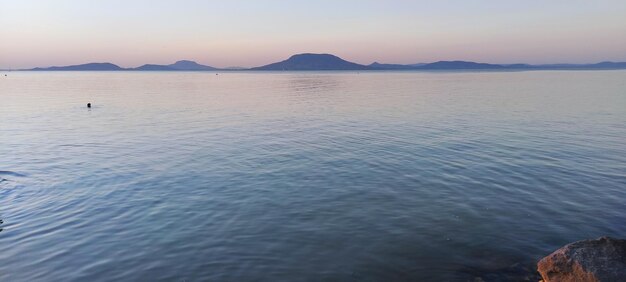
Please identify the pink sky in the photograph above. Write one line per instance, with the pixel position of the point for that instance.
(251, 33)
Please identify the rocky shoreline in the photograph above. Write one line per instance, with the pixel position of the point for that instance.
(594, 260)
(602, 260)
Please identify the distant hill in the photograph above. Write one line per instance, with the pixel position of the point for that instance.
(379, 66)
(190, 66)
(83, 67)
(608, 65)
(183, 65)
(440, 65)
(151, 67)
(458, 65)
(178, 66)
(307, 61)
(465, 65)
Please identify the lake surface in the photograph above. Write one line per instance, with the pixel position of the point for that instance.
(305, 176)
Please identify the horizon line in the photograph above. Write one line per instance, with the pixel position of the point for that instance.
(307, 53)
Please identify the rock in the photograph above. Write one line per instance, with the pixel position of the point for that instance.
(601, 260)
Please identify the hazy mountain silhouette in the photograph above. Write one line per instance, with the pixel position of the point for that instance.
(183, 65)
(83, 67)
(313, 62)
(331, 62)
(379, 66)
(190, 66)
(608, 65)
(151, 67)
(465, 65)
(458, 65)
(307, 61)
(178, 66)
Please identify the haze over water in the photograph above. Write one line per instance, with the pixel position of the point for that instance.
(304, 176)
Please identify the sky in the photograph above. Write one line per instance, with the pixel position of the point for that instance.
(250, 33)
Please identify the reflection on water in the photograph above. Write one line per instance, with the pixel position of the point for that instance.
(318, 84)
(308, 176)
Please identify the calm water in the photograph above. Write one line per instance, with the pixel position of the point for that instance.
(323, 176)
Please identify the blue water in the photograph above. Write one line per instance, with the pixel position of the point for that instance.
(312, 176)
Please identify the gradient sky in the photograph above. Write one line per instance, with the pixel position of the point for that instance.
(256, 32)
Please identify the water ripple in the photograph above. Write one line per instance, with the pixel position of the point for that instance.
(306, 176)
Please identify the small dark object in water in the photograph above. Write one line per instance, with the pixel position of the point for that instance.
(89, 105)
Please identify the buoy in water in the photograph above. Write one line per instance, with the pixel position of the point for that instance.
(89, 105)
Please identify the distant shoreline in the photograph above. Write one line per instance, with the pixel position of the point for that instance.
(323, 70)
(328, 62)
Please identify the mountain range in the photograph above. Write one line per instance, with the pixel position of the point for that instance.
(313, 62)
(183, 65)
